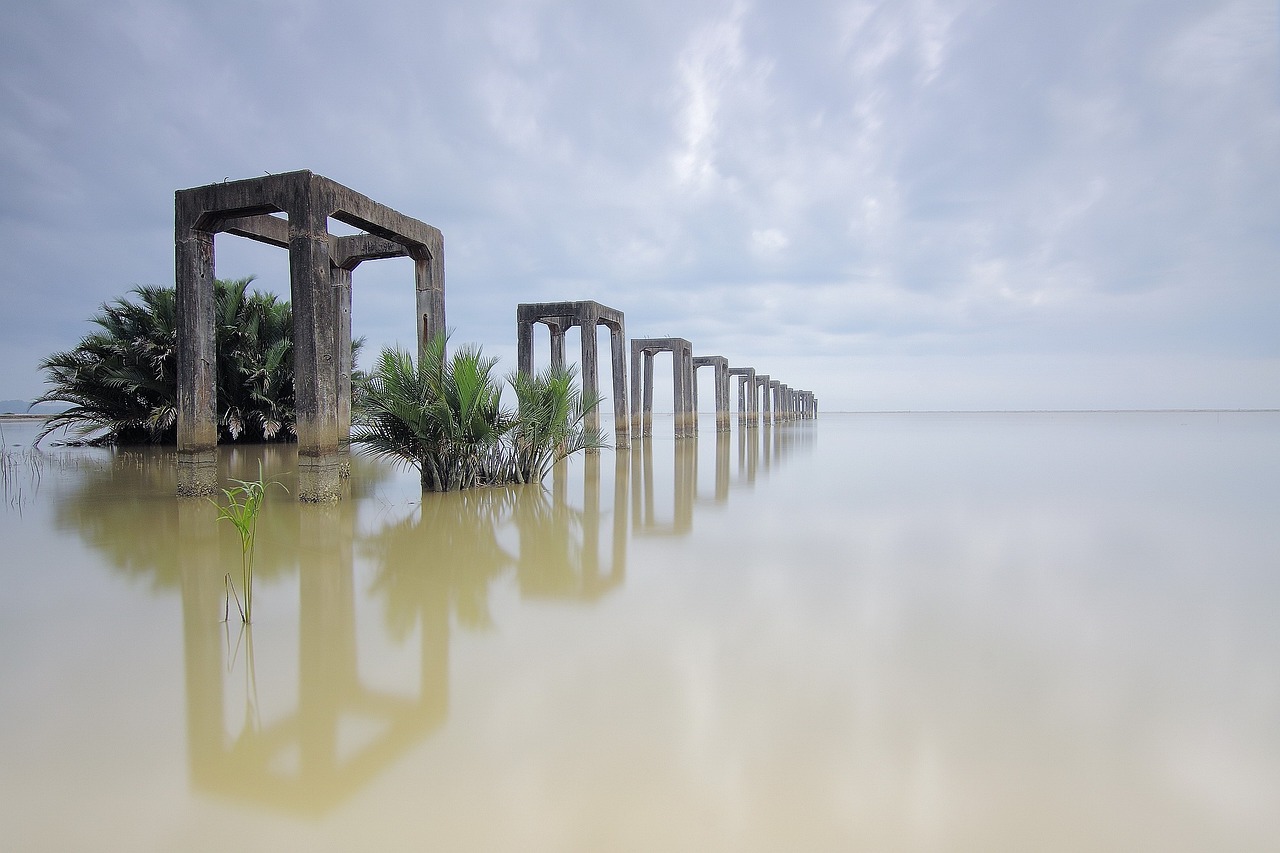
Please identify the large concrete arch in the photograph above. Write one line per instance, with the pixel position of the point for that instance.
(319, 282)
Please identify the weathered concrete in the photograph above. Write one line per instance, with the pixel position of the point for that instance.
(321, 307)
(721, 366)
(762, 388)
(747, 413)
(586, 315)
(686, 422)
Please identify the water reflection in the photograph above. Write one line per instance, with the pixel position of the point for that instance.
(304, 761)
(296, 724)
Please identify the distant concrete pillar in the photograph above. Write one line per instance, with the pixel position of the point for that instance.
(618, 362)
(590, 368)
(766, 411)
(587, 316)
(720, 365)
(746, 401)
(681, 380)
(557, 349)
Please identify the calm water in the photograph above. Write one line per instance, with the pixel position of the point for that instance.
(876, 632)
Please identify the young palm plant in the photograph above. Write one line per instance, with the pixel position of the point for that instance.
(443, 416)
(550, 424)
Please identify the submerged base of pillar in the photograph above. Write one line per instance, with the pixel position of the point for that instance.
(319, 478)
(197, 473)
(621, 439)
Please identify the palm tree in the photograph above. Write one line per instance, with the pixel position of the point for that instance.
(443, 416)
(121, 381)
(550, 424)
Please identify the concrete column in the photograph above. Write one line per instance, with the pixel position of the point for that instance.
(722, 397)
(766, 411)
(681, 379)
(648, 393)
(197, 425)
(637, 409)
(557, 348)
(617, 351)
(524, 347)
(590, 367)
(314, 373)
(428, 272)
(342, 310)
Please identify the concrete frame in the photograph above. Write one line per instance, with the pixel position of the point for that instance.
(321, 307)
(762, 388)
(747, 413)
(721, 367)
(559, 317)
(686, 422)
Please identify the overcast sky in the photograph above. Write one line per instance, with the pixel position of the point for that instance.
(924, 204)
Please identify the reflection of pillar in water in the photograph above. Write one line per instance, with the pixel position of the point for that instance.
(684, 474)
(621, 478)
(591, 518)
(202, 634)
(326, 642)
(722, 466)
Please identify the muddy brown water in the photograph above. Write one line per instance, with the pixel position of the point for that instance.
(868, 632)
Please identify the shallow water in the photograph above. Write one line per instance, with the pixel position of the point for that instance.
(868, 632)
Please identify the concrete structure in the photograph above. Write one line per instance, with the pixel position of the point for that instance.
(586, 315)
(320, 265)
(762, 388)
(721, 366)
(681, 350)
(747, 413)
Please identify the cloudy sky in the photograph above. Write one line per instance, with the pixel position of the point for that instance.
(920, 204)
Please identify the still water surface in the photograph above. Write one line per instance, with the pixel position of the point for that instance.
(868, 632)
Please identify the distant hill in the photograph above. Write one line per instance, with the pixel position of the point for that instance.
(19, 407)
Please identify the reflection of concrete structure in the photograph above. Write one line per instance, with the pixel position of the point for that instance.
(308, 200)
(559, 553)
(720, 365)
(301, 762)
(686, 422)
(561, 316)
(747, 413)
(684, 479)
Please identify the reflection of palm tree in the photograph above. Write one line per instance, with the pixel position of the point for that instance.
(443, 558)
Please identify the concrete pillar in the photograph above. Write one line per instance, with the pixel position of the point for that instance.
(587, 316)
(618, 356)
(766, 410)
(681, 380)
(428, 273)
(342, 310)
(244, 208)
(557, 349)
(197, 425)
(314, 371)
(590, 367)
(524, 347)
(648, 393)
(720, 366)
